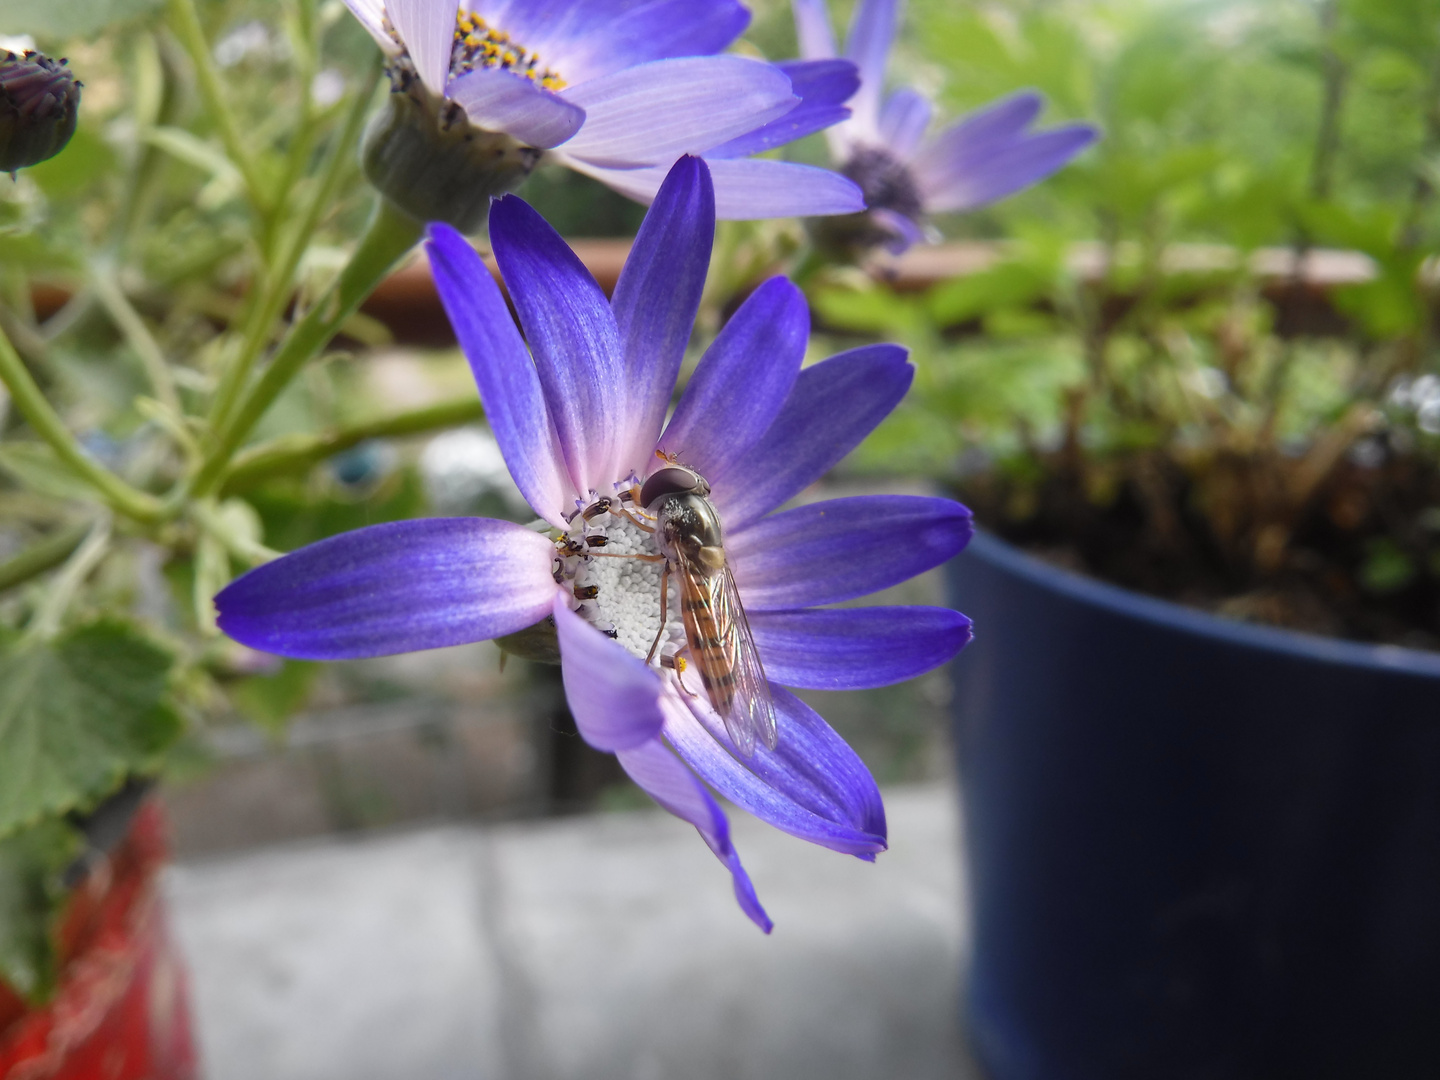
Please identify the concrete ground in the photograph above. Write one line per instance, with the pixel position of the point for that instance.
(590, 948)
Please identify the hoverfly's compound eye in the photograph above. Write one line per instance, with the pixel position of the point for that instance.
(670, 481)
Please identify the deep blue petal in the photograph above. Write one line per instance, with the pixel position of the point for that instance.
(504, 373)
(613, 696)
(572, 334)
(393, 588)
(826, 552)
(811, 785)
(856, 648)
(656, 300)
(833, 406)
(742, 381)
(674, 787)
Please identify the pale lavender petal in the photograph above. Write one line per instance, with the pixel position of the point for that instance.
(371, 14)
(613, 696)
(509, 386)
(583, 39)
(428, 29)
(572, 335)
(998, 123)
(749, 189)
(746, 189)
(653, 113)
(872, 30)
(826, 552)
(812, 785)
(812, 27)
(742, 381)
(968, 180)
(674, 787)
(656, 300)
(903, 121)
(832, 407)
(856, 648)
(500, 101)
(393, 588)
(823, 87)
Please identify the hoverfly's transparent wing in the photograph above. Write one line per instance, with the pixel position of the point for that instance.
(723, 648)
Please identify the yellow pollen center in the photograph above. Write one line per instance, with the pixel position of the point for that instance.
(478, 45)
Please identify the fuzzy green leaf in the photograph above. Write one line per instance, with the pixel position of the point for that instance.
(77, 714)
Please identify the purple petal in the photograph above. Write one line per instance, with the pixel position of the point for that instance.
(656, 300)
(856, 648)
(583, 39)
(812, 785)
(832, 407)
(742, 381)
(613, 696)
(997, 123)
(823, 87)
(748, 189)
(393, 588)
(672, 785)
(509, 386)
(793, 559)
(812, 27)
(371, 14)
(428, 29)
(653, 113)
(903, 121)
(572, 336)
(501, 101)
(872, 29)
(904, 233)
(968, 179)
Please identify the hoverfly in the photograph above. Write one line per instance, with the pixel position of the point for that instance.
(717, 633)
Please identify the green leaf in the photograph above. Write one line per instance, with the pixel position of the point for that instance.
(32, 896)
(76, 715)
(71, 19)
(271, 700)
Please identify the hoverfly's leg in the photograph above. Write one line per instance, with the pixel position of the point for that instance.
(620, 511)
(678, 663)
(664, 610)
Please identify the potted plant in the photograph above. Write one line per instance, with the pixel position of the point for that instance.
(1201, 836)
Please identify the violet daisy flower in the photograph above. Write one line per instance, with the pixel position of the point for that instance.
(580, 416)
(483, 89)
(906, 177)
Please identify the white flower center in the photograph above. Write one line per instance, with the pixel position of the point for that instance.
(619, 595)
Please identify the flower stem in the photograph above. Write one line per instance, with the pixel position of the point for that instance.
(281, 275)
(186, 23)
(390, 235)
(129, 322)
(46, 555)
(297, 452)
(46, 623)
(130, 501)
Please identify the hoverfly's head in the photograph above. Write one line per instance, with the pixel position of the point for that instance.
(670, 481)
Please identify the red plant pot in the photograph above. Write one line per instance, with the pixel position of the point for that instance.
(121, 1012)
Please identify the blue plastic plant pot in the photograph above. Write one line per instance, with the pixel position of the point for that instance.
(1196, 848)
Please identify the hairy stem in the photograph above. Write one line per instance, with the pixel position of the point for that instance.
(47, 424)
(391, 234)
(298, 452)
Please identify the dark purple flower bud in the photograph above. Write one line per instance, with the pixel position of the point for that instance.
(39, 103)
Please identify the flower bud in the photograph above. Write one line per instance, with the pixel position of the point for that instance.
(424, 156)
(39, 104)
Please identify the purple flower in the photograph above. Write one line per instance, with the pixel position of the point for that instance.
(905, 176)
(612, 88)
(580, 416)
